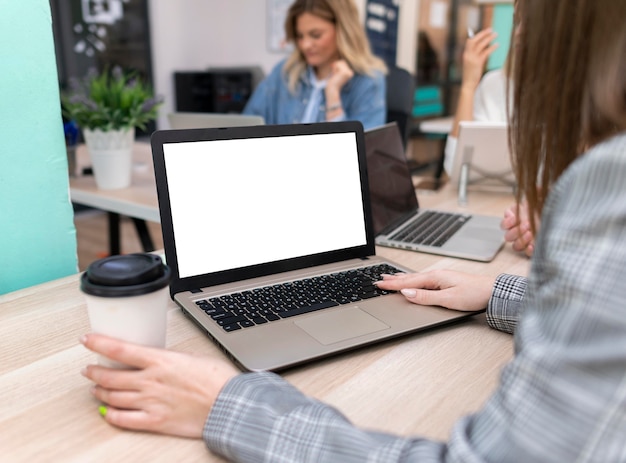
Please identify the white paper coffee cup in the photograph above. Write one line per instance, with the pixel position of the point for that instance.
(127, 298)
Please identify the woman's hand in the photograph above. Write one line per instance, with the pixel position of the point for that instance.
(168, 392)
(517, 229)
(340, 73)
(445, 288)
(475, 55)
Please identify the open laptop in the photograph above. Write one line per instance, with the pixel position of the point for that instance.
(250, 215)
(400, 223)
(186, 120)
(482, 158)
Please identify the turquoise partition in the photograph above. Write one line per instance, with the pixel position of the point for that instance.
(502, 23)
(37, 234)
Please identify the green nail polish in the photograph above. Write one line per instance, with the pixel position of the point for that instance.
(102, 410)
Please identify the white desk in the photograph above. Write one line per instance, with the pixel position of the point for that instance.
(440, 125)
(138, 201)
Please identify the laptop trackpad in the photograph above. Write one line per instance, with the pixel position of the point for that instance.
(340, 325)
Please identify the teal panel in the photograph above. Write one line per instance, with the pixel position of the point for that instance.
(37, 234)
(427, 101)
(503, 25)
(427, 93)
(427, 110)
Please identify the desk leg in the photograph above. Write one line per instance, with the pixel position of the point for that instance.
(440, 165)
(436, 182)
(114, 233)
(144, 234)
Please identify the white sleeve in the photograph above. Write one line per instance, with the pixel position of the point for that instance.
(450, 150)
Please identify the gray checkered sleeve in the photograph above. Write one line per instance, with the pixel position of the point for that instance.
(562, 398)
(506, 301)
(260, 417)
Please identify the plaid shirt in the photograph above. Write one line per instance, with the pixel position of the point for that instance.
(561, 399)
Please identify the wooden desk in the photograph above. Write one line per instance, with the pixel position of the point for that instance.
(419, 384)
(138, 201)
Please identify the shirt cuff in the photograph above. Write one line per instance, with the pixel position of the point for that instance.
(242, 419)
(506, 300)
(449, 153)
(340, 118)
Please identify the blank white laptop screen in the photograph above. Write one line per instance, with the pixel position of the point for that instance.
(234, 208)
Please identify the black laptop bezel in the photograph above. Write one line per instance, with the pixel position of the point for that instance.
(385, 142)
(178, 284)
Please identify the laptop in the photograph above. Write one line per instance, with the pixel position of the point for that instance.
(400, 223)
(256, 220)
(482, 158)
(186, 120)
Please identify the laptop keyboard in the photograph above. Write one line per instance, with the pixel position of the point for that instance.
(431, 228)
(276, 302)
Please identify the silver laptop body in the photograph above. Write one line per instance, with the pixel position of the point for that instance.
(187, 120)
(395, 207)
(249, 207)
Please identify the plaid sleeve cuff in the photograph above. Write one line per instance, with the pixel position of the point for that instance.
(261, 417)
(506, 301)
(244, 418)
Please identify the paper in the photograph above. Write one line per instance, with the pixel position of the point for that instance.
(438, 14)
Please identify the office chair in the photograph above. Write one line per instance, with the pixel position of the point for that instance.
(428, 106)
(400, 90)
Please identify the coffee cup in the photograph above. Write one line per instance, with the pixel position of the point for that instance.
(127, 298)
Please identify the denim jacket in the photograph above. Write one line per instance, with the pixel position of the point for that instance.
(362, 98)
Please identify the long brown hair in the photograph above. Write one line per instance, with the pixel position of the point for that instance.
(569, 87)
(352, 41)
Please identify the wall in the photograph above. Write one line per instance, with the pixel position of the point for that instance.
(502, 23)
(37, 235)
(196, 34)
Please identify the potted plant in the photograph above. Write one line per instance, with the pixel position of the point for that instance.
(108, 106)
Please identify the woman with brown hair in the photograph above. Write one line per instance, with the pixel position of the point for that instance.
(331, 75)
(563, 395)
(484, 97)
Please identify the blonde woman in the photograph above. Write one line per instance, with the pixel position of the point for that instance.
(331, 75)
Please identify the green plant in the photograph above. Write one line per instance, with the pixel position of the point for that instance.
(110, 101)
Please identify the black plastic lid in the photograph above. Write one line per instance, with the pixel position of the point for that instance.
(125, 275)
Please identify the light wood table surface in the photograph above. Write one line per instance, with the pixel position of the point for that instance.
(418, 384)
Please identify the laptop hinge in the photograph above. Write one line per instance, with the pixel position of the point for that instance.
(195, 291)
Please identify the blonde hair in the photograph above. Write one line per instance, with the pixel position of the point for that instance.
(569, 88)
(352, 42)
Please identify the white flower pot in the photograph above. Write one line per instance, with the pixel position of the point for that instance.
(111, 155)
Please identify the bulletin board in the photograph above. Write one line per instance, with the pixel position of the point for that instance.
(381, 25)
(276, 15)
